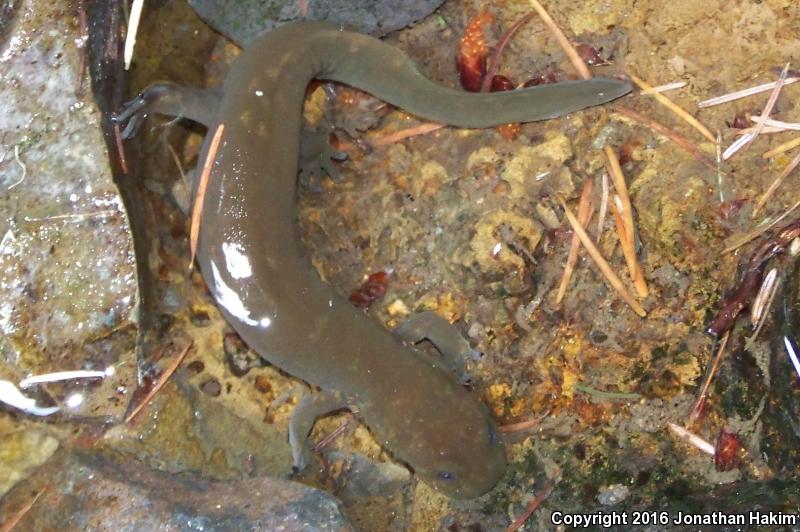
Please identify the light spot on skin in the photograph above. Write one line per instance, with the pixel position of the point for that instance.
(265, 322)
(259, 93)
(229, 299)
(236, 261)
(74, 401)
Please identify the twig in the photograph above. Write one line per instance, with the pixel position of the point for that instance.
(584, 214)
(775, 184)
(701, 399)
(133, 27)
(202, 185)
(609, 274)
(532, 506)
(671, 134)
(562, 40)
(626, 237)
(162, 380)
(672, 106)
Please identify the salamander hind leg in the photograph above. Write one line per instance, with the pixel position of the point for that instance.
(196, 104)
(447, 339)
(305, 414)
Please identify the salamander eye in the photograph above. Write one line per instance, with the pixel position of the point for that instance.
(446, 475)
(492, 436)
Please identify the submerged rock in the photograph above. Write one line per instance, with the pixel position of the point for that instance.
(78, 492)
(243, 21)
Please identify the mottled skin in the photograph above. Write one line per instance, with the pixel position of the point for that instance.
(253, 261)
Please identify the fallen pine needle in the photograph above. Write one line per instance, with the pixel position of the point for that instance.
(523, 425)
(123, 161)
(162, 380)
(397, 136)
(750, 137)
(133, 27)
(792, 354)
(725, 98)
(775, 184)
(763, 301)
(701, 398)
(177, 161)
(720, 173)
(672, 106)
(584, 214)
(755, 233)
(494, 59)
(784, 126)
(627, 236)
(671, 134)
(692, 438)
(202, 185)
(601, 216)
(17, 516)
(609, 274)
(786, 146)
(532, 506)
(335, 433)
(668, 87)
(569, 50)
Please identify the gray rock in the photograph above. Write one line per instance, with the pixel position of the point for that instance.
(244, 20)
(80, 492)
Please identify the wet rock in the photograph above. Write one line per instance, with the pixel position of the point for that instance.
(87, 493)
(20, 452)
(538, 170)
(243, 21)
(503, 245)
(211, 387)
(67, 273)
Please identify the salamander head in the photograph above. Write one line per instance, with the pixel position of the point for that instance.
(449, 439)
(471, 463)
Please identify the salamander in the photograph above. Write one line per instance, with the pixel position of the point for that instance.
(260, 274)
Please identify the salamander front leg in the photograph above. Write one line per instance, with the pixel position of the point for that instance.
(306, 412)
(317, 156)
(199, 105)
(447, 339)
